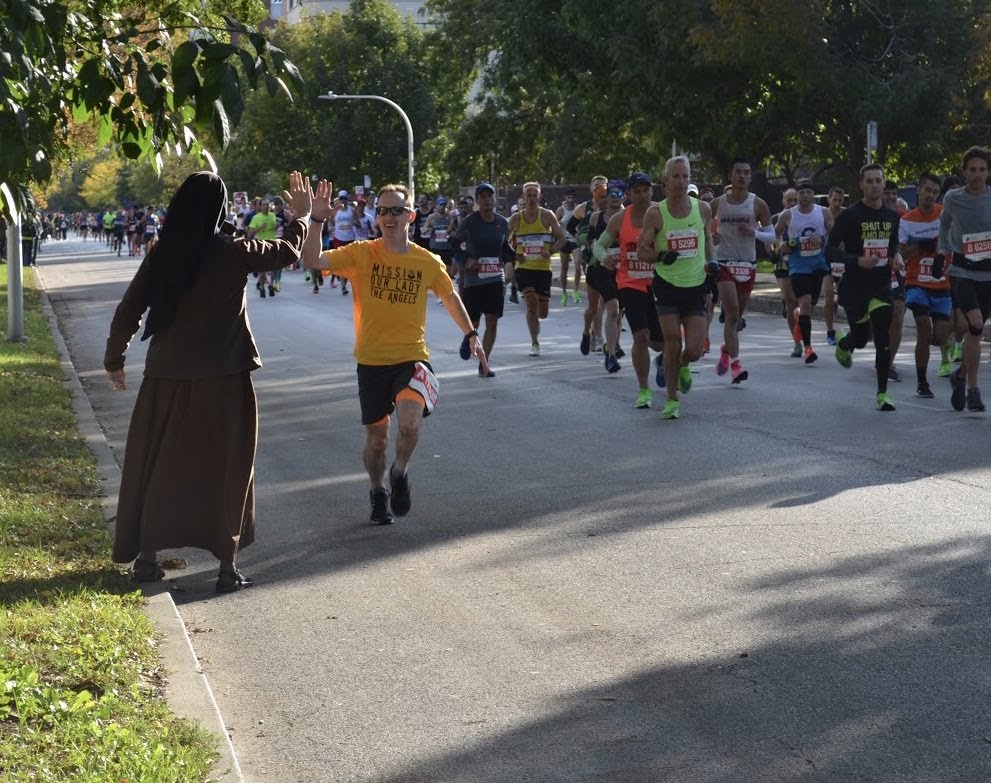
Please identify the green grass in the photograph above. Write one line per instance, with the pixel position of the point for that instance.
(80, 681)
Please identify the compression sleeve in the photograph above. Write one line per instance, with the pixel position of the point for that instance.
(766, 235)
(604, 242)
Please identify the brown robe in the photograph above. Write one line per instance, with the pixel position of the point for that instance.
(188, 473)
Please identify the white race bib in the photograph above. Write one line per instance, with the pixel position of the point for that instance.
(532, 248)
(685, 241)
(742, 273)
(810, 245)
(425, 383)
(440, 235)
(977, 247)
(639, 270)
(926, 270)
(489, 267)
(878, 250)
(837, 270)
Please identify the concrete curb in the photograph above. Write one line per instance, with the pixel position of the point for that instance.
(187, 689)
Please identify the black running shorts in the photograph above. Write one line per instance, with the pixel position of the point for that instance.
(640, 312)
(538, 281)
(484, 299)
(683, 302)
(603, 281)
(378, 386)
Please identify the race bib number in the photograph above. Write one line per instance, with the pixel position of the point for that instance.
(425, 383)
(977, 247)
(684, 241)
(926, 270)
(639, 270)
(810, 245)
(440, 235)
(489, 267)
(878, 250)
(742, 273)
(837, 270)
(532, 248)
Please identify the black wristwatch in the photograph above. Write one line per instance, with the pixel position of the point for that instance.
(472, 333)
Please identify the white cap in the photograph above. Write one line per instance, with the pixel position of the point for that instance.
(693, 189)
(342, 194)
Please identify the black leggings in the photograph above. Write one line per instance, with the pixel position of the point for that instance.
(879, 324)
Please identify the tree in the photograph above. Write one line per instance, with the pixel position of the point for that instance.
(99, 188)
(149, 78)
(369, 49)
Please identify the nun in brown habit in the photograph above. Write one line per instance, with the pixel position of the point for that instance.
(188, 475)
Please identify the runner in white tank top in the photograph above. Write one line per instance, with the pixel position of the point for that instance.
(739, 219)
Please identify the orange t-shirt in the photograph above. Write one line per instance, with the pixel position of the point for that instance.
(918, 263)
(390, 292)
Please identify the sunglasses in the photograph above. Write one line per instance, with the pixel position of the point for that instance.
(615, 193)
(396, 211)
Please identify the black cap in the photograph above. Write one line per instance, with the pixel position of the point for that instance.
(638, 178)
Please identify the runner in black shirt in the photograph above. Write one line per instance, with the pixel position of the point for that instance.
(865, 238)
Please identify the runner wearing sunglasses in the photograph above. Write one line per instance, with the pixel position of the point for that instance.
(391, 280)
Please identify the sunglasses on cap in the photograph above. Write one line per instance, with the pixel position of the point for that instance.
(397, 211)
(614, 193)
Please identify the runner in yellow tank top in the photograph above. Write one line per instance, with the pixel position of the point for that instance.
(536, 235)
(685, 241)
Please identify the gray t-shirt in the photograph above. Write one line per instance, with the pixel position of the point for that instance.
(965, 228)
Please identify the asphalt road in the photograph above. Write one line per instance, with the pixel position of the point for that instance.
(784, 585)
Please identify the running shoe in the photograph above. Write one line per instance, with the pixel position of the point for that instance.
(644, 399)
(810, 355)
(924, 391)
(465, 350)
(345, 292)
(671, 409)
(796, 352)
(483, 374)
(974, 400)
(399, 498)
(380, 506)
(534, 350)
(957, 353)
(843, 356)
(659, 371)
(585, 344)
(722, 366)
(945, 368)
(620, 353)
(261, 290)
(564, 299)
(739, 374)
(685, 379)
(577, 297)
(893, 374)
(333, 283)
(884, 402)
(831, 337)
(958, 397)
(612, 365)
(741, 324)
(513, 297)
(596, 344)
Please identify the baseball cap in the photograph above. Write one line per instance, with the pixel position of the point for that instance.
(616, 184)
(804, 184)
(638, 178)
(481, 187)
(441, 201)
(693, 189)
(342, 194)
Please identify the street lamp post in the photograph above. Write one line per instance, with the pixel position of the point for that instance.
(15, 270)
(330, 96)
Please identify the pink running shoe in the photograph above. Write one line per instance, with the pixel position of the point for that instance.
(739, 374)
(722, 366)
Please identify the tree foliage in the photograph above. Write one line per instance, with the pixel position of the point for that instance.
(369, 50)
(149, 76)
(573, 87)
